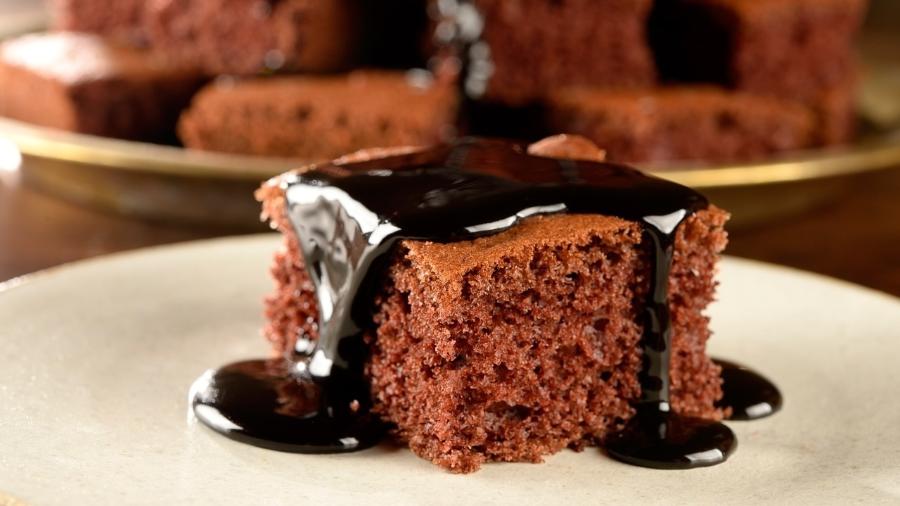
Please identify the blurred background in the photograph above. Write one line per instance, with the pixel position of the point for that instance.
(153, 127)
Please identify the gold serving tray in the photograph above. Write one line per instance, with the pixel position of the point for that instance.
(171, 183)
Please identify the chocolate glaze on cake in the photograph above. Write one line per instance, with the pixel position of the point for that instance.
(749, 395)
(349, 213)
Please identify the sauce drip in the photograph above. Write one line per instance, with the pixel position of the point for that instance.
(268, 403)
(347, 217)
(665, 440)
(749, 395)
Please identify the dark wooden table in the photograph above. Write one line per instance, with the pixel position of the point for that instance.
(855, 238)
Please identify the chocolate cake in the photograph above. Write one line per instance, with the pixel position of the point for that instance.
(319, 117)
(518, 344)
(83, 83)
(835, 109)
(792, 49)
(122, 20)
(787, 47)
(517, 51)
(246, 37)
(682, 123)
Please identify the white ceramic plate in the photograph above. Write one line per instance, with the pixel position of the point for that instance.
(96, 360)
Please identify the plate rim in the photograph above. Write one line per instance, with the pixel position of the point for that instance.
(877, 153)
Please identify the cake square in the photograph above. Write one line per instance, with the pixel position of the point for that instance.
(793, 49)
(519, 344)
(682, 123)
(789, 47)
(121, 20)
(84, 83)
(319, 117)
(246, 37)
(518, 50)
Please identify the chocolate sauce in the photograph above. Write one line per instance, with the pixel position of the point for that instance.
(664, 440)
(458, 37)
(269, 403)
(749, 395)
(347, 217)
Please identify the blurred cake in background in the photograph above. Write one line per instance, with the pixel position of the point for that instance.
(517, 51)
(800, 50)
(649, 80)
(785, 69)
(682, 122)
(122, 20)
(320, 117)
(245, 37)
(84, 83)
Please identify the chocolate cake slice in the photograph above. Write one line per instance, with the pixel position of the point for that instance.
(792, 48)
(319, 117)
(246, 37)
(682, 123)
(521, 336)
(84, 83)
(516, 51)
(121, 20)
(800, 50)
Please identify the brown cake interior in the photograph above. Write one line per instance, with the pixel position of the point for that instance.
(517, 345)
